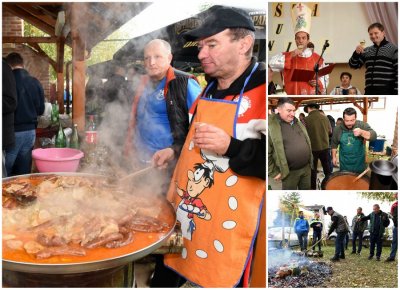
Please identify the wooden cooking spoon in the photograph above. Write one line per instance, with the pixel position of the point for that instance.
(361, 175)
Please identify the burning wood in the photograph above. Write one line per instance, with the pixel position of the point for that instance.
(294, 270)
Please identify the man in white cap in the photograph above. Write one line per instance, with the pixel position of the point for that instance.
(300, 58)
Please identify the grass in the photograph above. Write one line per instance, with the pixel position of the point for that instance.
(359, 272)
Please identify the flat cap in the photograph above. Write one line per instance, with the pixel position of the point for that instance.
(219, 19)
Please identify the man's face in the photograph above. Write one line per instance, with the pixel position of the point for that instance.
(219, 54)
(286, 112)
(301, 38)
(330, 212)
(196, 182)
(375, 209)
(345, 80)
(156, 60)
(359, 210)
(375, 35)
(349, 121)
(301, 214)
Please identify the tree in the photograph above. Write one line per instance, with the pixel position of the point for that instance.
(288, 207)
(382, 196)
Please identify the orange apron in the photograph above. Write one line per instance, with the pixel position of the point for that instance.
(218, 210)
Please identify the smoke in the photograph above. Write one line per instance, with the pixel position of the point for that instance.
(280, 257)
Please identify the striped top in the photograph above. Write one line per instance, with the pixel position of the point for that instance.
(381, 68)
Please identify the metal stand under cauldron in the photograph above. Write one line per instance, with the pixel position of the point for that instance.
(121, 276)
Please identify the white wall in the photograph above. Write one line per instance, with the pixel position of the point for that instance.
(343, 24)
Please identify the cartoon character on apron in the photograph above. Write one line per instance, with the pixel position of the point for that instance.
(219, 243)
(198, 180)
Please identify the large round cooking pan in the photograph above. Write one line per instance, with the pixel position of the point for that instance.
(127, 255)
(343, 180)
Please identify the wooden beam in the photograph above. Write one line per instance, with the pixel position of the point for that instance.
(78, 66)
(60, 74)
(17, 11)
(44, 54)
(37, 12)
(23, 39)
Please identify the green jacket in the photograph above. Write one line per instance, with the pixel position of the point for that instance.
(337, 132)
(383, 221)
(277, 162)
(318, 128)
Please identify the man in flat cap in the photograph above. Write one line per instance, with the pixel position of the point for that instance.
(340, 226)
(227, 134)
(318, 129)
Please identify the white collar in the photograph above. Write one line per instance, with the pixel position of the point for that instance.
(306, 53)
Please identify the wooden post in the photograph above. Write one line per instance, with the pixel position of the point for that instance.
(365, 113)
(78, 66)
(60, 74)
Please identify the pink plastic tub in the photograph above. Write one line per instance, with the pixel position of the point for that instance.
(57, 159)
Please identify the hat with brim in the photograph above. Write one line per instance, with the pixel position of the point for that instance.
(219, 19)
(313, 105)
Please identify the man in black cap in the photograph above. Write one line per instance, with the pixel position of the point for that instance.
(318, 129)
(228, 128)
(339, 225)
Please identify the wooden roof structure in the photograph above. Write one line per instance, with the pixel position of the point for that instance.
(362, 103)
(81, 25)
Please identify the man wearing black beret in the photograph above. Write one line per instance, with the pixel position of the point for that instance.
(226, 137)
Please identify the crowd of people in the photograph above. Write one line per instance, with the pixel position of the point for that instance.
(378, 222)
(295, 146)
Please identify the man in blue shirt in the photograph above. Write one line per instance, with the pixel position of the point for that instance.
(159, 119)
(301, 228)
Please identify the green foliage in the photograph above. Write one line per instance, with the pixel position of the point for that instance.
(105, 49)
(382, 196)
(290, 202)
(288, 207)
(49, 48)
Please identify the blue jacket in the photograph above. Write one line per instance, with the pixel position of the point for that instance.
(301, 225)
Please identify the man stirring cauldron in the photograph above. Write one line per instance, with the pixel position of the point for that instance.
(228, 123)
(350, 135)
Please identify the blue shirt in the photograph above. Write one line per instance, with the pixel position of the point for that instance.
(153, 131)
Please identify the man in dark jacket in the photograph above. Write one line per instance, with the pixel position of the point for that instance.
(318, 129)
(30, 105)
(358, 227)
(9, 103)
(339, 225)
(393, 213)
(317, 226)
(301, 228)
(378, 222)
